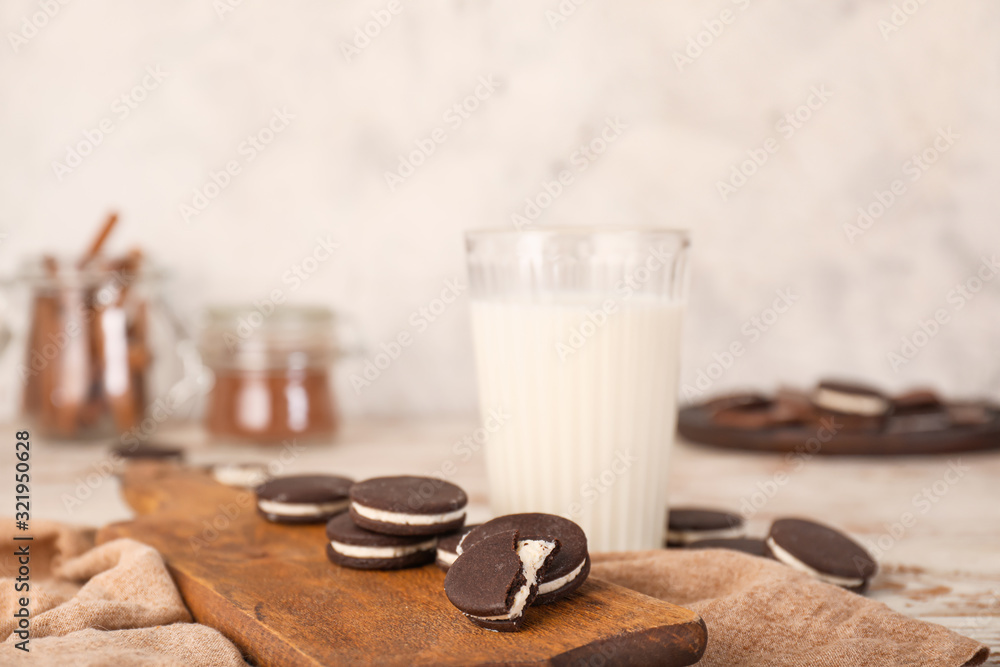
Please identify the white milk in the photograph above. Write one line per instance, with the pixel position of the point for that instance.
(592, 407)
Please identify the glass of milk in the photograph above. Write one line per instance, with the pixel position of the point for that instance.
(577, 336)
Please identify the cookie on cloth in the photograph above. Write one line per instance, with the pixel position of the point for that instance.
(495, 581)
(303, 498)
(362, 549)
(408, 505)
(747, 545)
(692, 524)
(569, 567)
(821, 551)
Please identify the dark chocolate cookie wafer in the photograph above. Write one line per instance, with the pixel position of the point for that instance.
(569, 567)
(303, 498)
(356, 547)
(755, 412)
(495, 581)
(822, 552)
(447, 547)
(747, 545)
(121, 456)
(756, 416)
(691, 524)
(408, 505)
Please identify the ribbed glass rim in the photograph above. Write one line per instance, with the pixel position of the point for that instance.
(639, 230)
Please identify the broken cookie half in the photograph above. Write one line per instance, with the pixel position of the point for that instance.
(496, 580)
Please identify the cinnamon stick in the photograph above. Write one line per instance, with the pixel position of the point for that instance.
(98, 242)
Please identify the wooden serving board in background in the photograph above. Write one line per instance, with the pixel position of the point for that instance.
(271, 590)
(696, 425)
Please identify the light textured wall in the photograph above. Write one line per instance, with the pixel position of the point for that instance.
(552, 86)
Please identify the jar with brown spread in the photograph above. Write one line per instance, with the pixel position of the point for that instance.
(272, 373)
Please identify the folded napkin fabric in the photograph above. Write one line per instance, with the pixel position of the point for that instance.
(114, 604)
(761, 613)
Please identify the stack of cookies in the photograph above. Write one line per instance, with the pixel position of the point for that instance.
(385, 523)
(395, 522)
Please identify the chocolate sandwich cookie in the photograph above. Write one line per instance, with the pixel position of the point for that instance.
(692, 524)
(245, 475)
(408, 505)
(148, 452)
(822, 552)
(569, 567)
(122, 456)
(754, 412)
(447, 547)
(858, 407)
(362, 549)
(303, 498)
(747, 545)
(850, 399)
(495, 580)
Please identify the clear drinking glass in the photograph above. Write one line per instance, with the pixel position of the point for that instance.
(576, 334)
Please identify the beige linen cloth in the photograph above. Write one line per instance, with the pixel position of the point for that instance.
(110, 605)
(116, 605)
(760, 612)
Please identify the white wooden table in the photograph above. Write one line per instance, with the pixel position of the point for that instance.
(943, 567)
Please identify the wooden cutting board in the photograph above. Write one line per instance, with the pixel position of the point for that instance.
(271, 590)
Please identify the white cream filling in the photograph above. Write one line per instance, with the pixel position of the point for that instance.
(556, 584)
(689, 536)
(791, 561)
(532, 554)
(404, 519)
(447, 557)
(854, 404)
(301, 509)
(247, 477)
(357, 551)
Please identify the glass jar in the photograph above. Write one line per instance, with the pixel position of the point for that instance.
(100, 352)
(272, 373)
